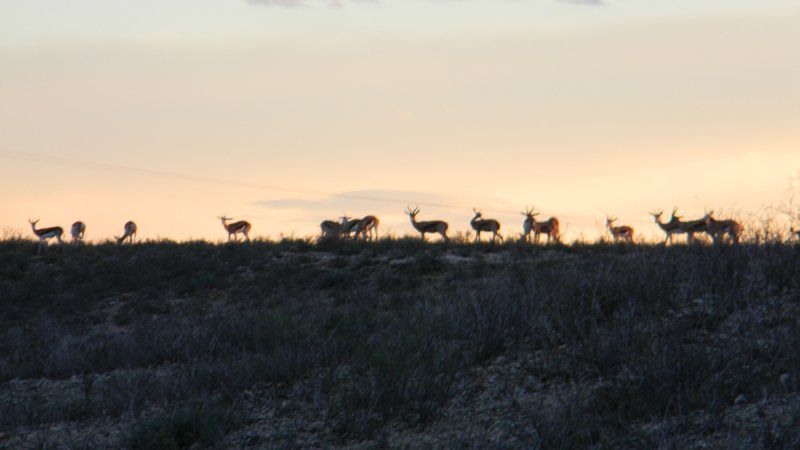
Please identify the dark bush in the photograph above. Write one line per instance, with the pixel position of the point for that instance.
(183, 428)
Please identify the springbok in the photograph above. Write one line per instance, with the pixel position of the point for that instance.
(129, 233)
(623, 232)
(550, 227)
(718, 229)
(234, 228)
(690, 227)
(427, 226)
(479, 225)
(330, 229)
(77, 231)
(348, 225)
(46, 233)
(367, 228)
(670, 228)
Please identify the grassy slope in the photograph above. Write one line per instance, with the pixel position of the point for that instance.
(399, 343)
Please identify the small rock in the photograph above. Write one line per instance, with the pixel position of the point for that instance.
(740, 399)
(785, 380)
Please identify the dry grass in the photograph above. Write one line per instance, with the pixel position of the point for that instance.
(166, 345)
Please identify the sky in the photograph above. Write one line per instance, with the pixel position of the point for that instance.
(173, 113)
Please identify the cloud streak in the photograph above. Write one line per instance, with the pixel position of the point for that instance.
(304, 3)
(390, 202)
(342, 3)
(584, 2)
(365, 199)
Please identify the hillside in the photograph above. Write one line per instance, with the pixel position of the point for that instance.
(400, 344)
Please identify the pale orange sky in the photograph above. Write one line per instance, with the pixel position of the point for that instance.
(582, 111)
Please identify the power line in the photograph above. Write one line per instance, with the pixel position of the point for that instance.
(90, 165)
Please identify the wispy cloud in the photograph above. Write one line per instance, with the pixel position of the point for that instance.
(584, 2)
(302, 3)
(285, 3)
(364, 200)
(388, 201)
(341, 3)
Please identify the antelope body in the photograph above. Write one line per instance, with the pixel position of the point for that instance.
(719, 230)
(46, 233)
(348, 225)
(427, 226)
(330, 229)
(670, 228)
(367, 228)
(129, 232)
(77, 231)
(479, 224)
(623, 232)
(549, 227)
(234, 228)
(690, 227)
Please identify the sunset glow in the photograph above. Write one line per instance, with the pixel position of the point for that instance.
(582, 109)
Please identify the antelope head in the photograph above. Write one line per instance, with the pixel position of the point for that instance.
(610, 220)
(478, 214)
(529, 213)
(412, 212)
(33, 222)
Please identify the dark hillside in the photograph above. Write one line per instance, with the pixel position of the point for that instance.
(399, 343)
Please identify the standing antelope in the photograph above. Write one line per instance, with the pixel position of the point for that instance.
(670, 228)
(366, 227)
(77, 231)
(427, 226)
(479, 224)
(129, 233)
(690, 227)
(623, 232)
(46, 233)
(330, 229)
(348, 225)
(718, 229)
(241, 226)
(550, 227)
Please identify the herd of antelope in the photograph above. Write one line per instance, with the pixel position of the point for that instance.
(719, 230)
(363, 228)
(366, 228)
(78, 230)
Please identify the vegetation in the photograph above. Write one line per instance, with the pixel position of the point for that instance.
(399, 343)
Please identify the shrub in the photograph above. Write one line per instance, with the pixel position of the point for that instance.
(183, 428)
